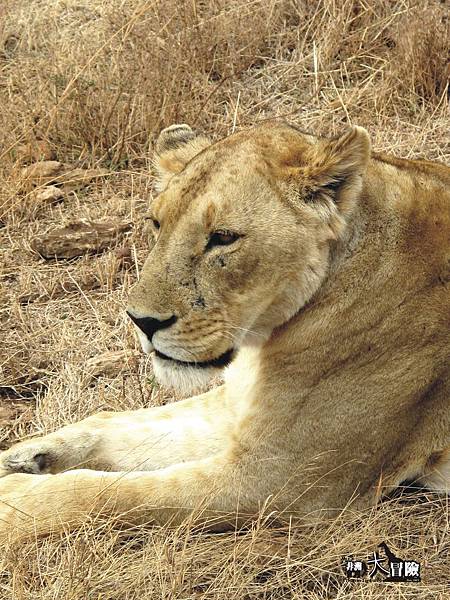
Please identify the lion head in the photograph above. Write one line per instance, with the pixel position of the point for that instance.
(243, 229)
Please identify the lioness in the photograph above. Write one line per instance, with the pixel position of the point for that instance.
(317, 273)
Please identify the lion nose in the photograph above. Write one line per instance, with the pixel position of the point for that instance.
(150, 325)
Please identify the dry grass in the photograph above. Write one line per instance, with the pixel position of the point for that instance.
(96, 79)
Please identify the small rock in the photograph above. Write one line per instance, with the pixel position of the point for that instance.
(80, 238)
(48, 195)
(111, 364)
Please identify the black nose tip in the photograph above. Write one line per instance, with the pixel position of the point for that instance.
(150, 325)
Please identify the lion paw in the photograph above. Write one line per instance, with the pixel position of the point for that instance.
(30, 457)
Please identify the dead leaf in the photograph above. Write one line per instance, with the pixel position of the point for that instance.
(80, 238)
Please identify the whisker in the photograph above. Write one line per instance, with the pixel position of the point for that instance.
(247, 330)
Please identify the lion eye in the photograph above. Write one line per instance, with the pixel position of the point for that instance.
(221, 238)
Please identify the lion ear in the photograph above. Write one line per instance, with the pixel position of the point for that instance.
(335, 168)
(330, 178)
(175, 147)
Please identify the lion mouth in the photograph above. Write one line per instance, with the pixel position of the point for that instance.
(221, 361)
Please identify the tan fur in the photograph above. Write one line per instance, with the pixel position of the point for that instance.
(335, 303)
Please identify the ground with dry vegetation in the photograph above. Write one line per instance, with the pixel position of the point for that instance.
(85, 85)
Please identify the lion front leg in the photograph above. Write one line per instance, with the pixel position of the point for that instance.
(210, 488)
(139, 440)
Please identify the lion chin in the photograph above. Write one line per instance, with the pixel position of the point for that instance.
(185, 379)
